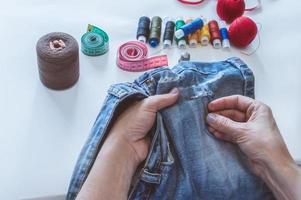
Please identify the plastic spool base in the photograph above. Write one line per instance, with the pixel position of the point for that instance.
(226, 44)
(182, 44)
(153, 42)
(217, 44)
(204, 41)
(142, 39)
(193, 43)
(166, 44)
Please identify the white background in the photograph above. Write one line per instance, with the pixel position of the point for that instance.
(42, 131)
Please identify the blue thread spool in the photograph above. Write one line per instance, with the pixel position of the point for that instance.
(189, 28)
(224, 34)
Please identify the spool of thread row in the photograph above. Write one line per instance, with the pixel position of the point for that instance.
(224, 35)
(189, 28)
(155, 31)
(181, 42)
(58, 60)
(193, 37)
(215, 34)
(143, 29)
(204, 36)
(94, 42)
(168, 34)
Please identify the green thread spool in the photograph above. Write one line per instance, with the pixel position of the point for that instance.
(181, 42)
(155, 31)
(95, 42)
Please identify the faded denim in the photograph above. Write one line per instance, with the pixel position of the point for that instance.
(185, 161)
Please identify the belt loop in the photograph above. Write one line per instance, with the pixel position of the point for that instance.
(149, 177)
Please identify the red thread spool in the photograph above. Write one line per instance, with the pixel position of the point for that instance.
(215, 36)
(242, 31)
(229, 10)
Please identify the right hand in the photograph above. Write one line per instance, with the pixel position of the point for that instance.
(251, 125)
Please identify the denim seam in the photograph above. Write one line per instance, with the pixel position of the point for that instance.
(246, 73)
(149, 74)
(146, 163)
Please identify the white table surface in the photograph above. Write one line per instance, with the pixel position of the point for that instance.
(42, 131)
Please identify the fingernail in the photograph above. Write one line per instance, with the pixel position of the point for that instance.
(174, 91)
(211, 118)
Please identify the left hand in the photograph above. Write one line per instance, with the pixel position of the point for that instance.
(136, 121)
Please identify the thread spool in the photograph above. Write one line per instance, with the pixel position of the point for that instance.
(224, 35)
(95, 42)
(181, 42)
(205, 35)
(155, 31)
(215, 34)
(189, 28)
(143, 29)
(58, 60)
(193, 37)
(168, 34)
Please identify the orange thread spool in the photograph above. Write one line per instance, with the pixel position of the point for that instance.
(193, 38)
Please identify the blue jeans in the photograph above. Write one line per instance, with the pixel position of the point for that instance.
(185, 161)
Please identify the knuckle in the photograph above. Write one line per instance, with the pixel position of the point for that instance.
(147, 102)
(245, 128)
(257, 103)
(266, 109)
(224, 122)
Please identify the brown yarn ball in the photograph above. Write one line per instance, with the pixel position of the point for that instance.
(58, 60)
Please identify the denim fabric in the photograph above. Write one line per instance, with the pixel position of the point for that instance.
(185, 161)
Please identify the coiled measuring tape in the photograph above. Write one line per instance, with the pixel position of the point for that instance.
(95, 42)
(132, 56)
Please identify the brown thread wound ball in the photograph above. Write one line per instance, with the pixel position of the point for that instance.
(58, 60)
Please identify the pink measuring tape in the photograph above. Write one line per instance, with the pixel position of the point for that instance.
(132, 56)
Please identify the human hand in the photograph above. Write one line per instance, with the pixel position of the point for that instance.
(251, 125)
(135, 122)
(124, 148)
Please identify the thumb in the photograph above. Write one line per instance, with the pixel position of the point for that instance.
(223, 124)
(157, 102)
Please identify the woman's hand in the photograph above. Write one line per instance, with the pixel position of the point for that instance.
(250, 124)
(124, 148)
(135, 122)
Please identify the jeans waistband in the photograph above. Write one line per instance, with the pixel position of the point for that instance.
(203, 68)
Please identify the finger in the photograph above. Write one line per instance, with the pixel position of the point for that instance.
(220, 135)
(157, 102)
(224, 125)
(233, 114)
(237, 102)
